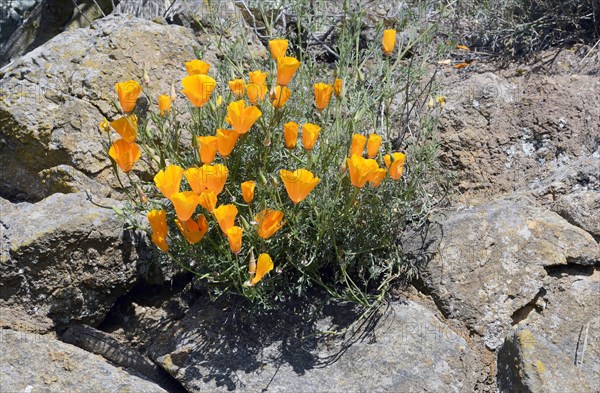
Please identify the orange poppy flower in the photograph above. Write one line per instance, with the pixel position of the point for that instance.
(125, 154)
(280, 96)
(226, 140)
(373, 145)
(397, 166)
(185, 203)
(198, 88)
(388, 42)
(258, 76)
(299, 183)
(310, 133)
(257, 88)
(234, 235)
(377, 177)
(192, 230)
(127, 127)
(128, 93)
(264, 265)
(160, 230)
(197, 67)
(237, 86)
(337, 87)
(168, 180)
(164, 104)
(256, 92)
(290, 134)
(207, 177)
(269, 222)
(278, 47)
(208, 200)
(225, 215)
(248, 190)
(208, 148)
(322, 95)
(241, 117)
(286, 68)
(358, 145)
(361, 170)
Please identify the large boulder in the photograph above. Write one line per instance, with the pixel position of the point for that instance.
(54, 97)
(493, 261)
(34, 363)
(64, 260)
(409, 348)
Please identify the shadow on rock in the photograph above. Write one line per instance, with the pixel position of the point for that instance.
(226, 339)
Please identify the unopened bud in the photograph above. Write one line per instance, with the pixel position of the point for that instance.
(245, 223)
(173, 93)
(263, 179)
(141, 194)
(274, 181)
(252, 264)
(267, 140)
(431, 103)
(146, 77)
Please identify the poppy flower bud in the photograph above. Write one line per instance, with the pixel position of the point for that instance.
(252, 264)
(173, 93)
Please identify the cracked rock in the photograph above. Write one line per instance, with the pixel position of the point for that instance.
(493, 258)
(570, 320)
(529, 363)
(63, 261)
(34, 363)
(582, 209)
(408, 349)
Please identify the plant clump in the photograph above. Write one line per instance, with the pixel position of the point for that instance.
(284, 175)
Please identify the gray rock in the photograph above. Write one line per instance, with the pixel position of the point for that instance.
(103, 344)
(493, 259)
(581, 209)
(528, 363)
(34, 363)
(582, 174)
(568, 317)
(194, 12)
(65, 179)
(147, 9)
(75, 73)
(43, 20)
(408, 349)
(64, 260)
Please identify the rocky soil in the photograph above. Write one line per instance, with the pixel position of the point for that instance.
(508, 299)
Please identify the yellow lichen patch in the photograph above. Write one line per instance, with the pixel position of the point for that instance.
(167, 363)
(540, 366)
(526, 339)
